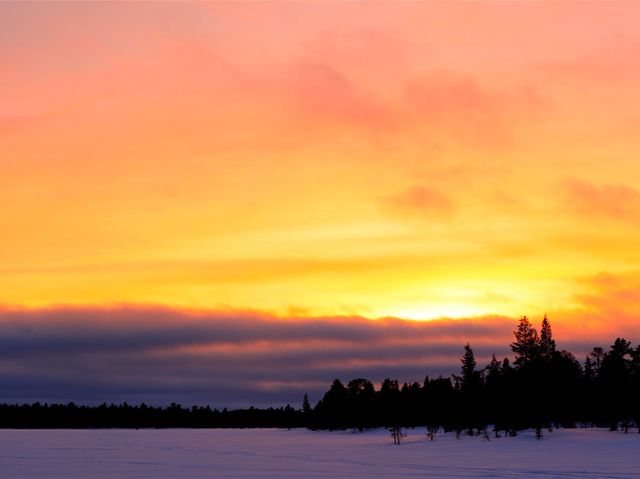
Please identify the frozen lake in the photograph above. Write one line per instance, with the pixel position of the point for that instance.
(180, 453)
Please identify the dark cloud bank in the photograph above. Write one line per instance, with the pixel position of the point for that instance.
(156, 355)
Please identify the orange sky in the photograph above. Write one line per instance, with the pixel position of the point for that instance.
(409, 159)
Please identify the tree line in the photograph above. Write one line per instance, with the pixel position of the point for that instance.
(544, 388)
(73, 416)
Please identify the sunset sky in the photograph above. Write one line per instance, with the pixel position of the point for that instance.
(194, 189)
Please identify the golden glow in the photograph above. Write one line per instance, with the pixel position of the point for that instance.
(483, 161)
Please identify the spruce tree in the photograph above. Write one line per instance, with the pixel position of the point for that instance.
(597, 354)
(615, 381)
(589, 373)
(526, 344)
(547, 343)
(469, 372)
(493, 394)
(306, 407)
(635, 386)
(470, 382)
(493, 369)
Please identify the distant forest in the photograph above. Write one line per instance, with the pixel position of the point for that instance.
(544, 388)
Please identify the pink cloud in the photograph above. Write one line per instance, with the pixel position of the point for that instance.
(420, 202)
(322, 94)
(470, 111)
(586, 198)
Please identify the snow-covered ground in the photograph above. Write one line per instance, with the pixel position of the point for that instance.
(158, 454)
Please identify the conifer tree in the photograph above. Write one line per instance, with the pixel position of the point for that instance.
(547, 343)
(493, 369)
(635, 386)
(597, 354)
(470, 382)
(469, 373)
(589, 372)
(615, 380)
(494, 392)
(306, 407)
(526, 344)
(506, 367)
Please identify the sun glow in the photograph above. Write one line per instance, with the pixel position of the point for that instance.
(428, 312)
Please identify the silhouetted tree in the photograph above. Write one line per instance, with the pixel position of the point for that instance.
(635, 386)
(597, 354)
(615, 380)
(525, 346)
(331, 411)
(360, 403)
(495, 393)
(470, 384)
(589, 370)
(547, 343)
(471, 379)
(389, 401)
(432, 429)
(396, 434)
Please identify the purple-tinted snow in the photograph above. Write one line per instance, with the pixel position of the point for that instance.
(158, 454)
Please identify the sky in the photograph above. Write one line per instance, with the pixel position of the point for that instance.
(196, 196)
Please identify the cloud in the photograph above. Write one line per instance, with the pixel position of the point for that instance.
(465, 109)
(420, 202)
(589, 199)
(612, 295)
(322, 94)
(159, 355)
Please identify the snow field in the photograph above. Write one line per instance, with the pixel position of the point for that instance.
(270, 453)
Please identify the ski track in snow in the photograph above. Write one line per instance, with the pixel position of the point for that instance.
(259, 453)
